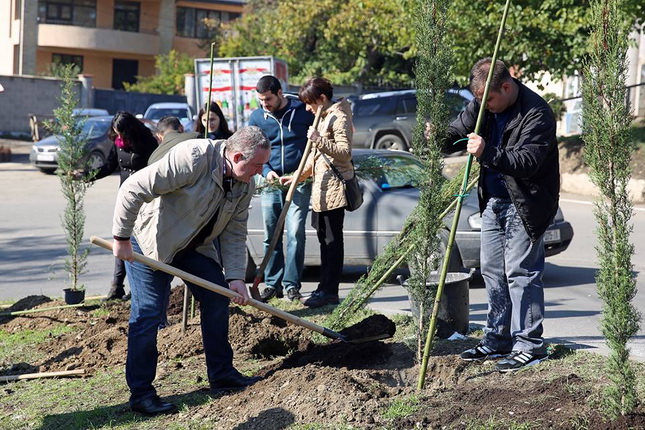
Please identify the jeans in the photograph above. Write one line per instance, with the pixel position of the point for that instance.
(329, 228)
(512, 268)
(286, 271)
(150, 291)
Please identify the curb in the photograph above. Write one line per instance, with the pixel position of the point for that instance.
(581, 184)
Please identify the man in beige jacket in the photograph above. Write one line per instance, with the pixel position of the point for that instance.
(173, 211)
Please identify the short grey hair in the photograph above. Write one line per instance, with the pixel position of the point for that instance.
(247, 140)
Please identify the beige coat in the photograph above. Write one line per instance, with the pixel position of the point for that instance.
(167, 203)
(335, 142)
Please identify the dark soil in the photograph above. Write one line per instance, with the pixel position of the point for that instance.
(336, 383)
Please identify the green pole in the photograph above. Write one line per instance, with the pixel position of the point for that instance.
(210, 91)
(455, 220)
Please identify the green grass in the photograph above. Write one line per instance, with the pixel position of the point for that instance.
(19, 346)
(401, 408)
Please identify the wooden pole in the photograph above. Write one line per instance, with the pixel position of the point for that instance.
(42, 375)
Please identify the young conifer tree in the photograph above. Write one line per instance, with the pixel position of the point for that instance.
(71, 154)
(608, 150)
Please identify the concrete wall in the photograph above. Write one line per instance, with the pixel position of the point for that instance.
(24, 95)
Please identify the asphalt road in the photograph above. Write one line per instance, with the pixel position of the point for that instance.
(33, 251)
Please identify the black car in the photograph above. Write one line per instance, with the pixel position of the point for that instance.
(386, 120)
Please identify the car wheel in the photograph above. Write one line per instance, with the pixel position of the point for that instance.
(251, 268)
(392, 142)
(95, 160)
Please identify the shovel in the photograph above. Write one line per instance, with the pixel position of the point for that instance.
(157, 265)
(277, 233)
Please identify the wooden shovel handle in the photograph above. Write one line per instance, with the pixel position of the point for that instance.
(158, 265)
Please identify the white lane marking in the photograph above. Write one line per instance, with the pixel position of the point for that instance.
(590, 203)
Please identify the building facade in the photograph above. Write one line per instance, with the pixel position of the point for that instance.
(112, 40)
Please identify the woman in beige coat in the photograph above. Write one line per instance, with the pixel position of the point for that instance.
(331, 146)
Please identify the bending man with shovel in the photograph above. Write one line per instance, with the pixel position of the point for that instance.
(173, 211)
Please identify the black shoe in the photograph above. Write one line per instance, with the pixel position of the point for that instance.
(518, 360)
(293, 295)
(232, 381)
(117, 292)
(320, 298)
(152, 406)
(268, 293)
(482, 352)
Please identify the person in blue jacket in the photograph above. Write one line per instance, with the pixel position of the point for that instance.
(285, 121)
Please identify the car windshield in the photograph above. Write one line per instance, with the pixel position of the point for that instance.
(94, 129)
(390, 171)
(157, 114)
(370, 107)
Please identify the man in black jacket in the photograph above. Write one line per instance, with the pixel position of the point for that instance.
(518, 194)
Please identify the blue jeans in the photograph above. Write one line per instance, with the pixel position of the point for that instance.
(512, 268)
(280, 271)
(150, 291)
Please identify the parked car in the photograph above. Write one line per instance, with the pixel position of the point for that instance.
(386, 120)
(156, 111)
(389, 197)
(44, 153)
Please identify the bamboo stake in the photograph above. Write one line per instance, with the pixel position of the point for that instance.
(210, 93)
(33, 311)
(455, 220)
(42, 375)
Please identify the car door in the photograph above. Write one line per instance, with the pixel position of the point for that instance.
(405, 117)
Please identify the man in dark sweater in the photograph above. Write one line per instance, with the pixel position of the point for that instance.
(170, 132)
(285, 122)
(518, 191)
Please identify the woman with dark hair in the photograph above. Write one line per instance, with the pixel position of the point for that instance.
(330, 157)
(217, 125)
(133, 144)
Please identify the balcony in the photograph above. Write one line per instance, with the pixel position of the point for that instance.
(97, 39)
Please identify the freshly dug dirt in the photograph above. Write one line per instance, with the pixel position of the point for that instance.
(336, 383)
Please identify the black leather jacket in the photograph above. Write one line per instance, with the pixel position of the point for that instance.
(527, 157)
(129, 161)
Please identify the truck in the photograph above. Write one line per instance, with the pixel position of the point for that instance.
(231, 84)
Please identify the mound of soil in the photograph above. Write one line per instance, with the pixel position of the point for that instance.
(336, 383)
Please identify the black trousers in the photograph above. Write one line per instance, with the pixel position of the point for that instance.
(329, 228)
(119, 272)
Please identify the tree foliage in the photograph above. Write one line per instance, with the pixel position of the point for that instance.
(70, 155)
(169, 78)
(372, 42)
(608, 151)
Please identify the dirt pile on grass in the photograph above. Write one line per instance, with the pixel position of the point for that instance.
(335, 383)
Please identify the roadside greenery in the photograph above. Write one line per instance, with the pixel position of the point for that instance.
(609, 148)
(169, 78)
(372, 43)
(71, 154)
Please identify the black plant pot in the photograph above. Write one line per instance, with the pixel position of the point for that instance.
(74, 297)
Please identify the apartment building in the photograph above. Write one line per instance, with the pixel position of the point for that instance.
(112, 40)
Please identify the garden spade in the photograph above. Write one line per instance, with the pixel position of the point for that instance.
(277, 233)
(355, 333)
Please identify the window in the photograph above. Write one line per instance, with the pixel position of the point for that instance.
(62, 59)
(191, 22)
(67, 12)
(126, 16)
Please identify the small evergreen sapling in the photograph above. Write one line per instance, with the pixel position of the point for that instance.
(71, 154)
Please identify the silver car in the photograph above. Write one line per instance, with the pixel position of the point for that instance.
(44, 153)
(389, 196)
